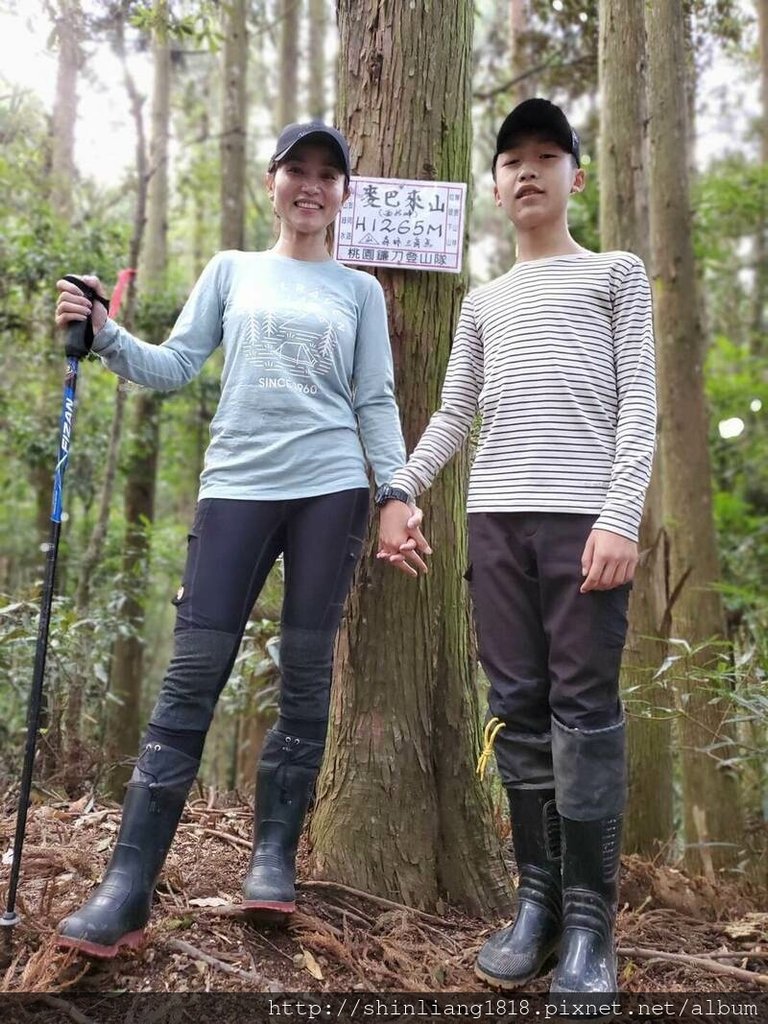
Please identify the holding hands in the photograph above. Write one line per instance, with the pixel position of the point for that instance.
(401, 542)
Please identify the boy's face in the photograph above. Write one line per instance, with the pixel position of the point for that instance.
(534, 179)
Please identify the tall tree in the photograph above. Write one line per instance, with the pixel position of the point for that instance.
(287, 100)
(400, 809)
(67, 19)
(123, 720)
(233, 125)
(711, 795)
(318, 24)
(94, 548)
(624, 224)
(759, 316)
(523, 83)
(68, 31)
(69, 24)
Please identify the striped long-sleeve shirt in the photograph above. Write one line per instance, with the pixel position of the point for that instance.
(558, 357)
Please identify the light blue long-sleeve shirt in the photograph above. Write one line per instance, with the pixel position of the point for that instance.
(307, 389)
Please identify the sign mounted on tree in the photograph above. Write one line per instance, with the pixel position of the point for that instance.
(391, 222)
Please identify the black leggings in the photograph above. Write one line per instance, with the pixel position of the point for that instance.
(232, 546)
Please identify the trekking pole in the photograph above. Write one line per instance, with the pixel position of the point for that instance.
(77, 345)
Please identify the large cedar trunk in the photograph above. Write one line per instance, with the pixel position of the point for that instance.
(124, 713)
(401, 811)
(711, 793)
(624, 225)
(233, 126)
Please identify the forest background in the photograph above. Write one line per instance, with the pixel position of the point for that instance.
(204, 86)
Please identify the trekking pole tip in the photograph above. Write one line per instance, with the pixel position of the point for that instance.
(9, 919)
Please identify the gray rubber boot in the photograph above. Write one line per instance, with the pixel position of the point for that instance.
(284, 783)
(590, 773)
(587, 962)
(521, 951)
(116, 914)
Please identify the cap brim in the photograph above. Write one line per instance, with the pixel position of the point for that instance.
(318, 134)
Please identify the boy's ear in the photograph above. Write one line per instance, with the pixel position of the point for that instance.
(579, 181)
(496, 196)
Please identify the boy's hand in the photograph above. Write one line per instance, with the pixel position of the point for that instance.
(608, 561)
(400, 538)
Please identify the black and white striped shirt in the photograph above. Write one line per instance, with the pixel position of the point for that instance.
(558, 356)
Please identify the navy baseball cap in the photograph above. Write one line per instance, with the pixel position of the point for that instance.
(538, 117)
(292, 134)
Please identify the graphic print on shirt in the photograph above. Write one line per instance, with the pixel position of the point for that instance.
(295, 335)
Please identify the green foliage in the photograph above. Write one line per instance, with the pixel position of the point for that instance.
(77, 645)
(200, 26)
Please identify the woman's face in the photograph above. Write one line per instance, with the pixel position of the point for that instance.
(308, 188)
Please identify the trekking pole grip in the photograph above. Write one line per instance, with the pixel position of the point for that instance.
(80, 332)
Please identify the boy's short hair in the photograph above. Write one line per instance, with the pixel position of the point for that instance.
(537, 117)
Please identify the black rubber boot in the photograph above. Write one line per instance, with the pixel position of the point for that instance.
(520, 951)
(591, 861)
(116, 914)
(286, 778)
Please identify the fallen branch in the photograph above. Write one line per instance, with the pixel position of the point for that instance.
(374, 899)
(65, 1007)
(220, 965)
(695, 961)
(744, 954)
(226, 836)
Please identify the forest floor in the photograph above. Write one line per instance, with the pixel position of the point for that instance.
(339, 940)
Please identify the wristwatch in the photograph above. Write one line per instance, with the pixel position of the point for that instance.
(388, 493)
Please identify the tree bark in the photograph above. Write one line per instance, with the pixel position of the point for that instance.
(124, 709)
(624, 224)
(287, 100)
(401, 812)
(710, 793)
(233, 125)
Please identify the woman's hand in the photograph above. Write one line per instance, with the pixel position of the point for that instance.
(401, 539)
(73, 306)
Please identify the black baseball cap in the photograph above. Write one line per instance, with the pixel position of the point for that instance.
(538, 116)
(298, 132)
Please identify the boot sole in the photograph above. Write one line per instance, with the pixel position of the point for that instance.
(269, 906)
(131, 940)
(510, 984)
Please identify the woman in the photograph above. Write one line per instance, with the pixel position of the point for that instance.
(306, 389)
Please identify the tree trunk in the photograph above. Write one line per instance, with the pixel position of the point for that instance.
(98, 536)
(68, 30)
(624, 224)
(124, 710)
(759, 321)
(401, 811)
(519, 58)
(290, 19)
(318, 21)
(711, 793)
(233, 126)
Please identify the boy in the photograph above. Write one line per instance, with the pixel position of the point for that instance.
(557, 354)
